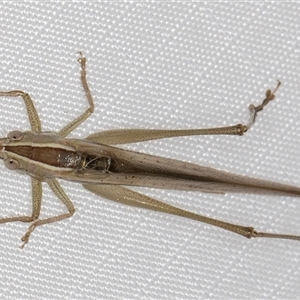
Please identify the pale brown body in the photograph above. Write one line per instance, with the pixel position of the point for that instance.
(103, 169)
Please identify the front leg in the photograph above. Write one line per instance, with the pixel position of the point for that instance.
(33, 116)
(36, 204)
(62, 196)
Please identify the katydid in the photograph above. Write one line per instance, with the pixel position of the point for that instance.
(104, 169)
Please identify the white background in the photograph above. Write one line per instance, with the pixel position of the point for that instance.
(156, 65)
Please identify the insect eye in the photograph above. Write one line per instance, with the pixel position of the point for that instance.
(11, 164)
(15, 135)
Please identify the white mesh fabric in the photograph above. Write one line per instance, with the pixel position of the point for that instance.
(156, 65)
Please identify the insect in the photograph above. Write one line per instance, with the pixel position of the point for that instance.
(103, 169)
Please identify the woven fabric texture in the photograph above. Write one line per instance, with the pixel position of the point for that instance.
(155, 65)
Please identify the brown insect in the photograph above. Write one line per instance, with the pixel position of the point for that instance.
(104, 169)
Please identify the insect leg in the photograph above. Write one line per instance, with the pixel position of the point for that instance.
(33, 116)
(36, 204)
(59, 192)
(75, 123)
(126, 196)
(124, 136)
